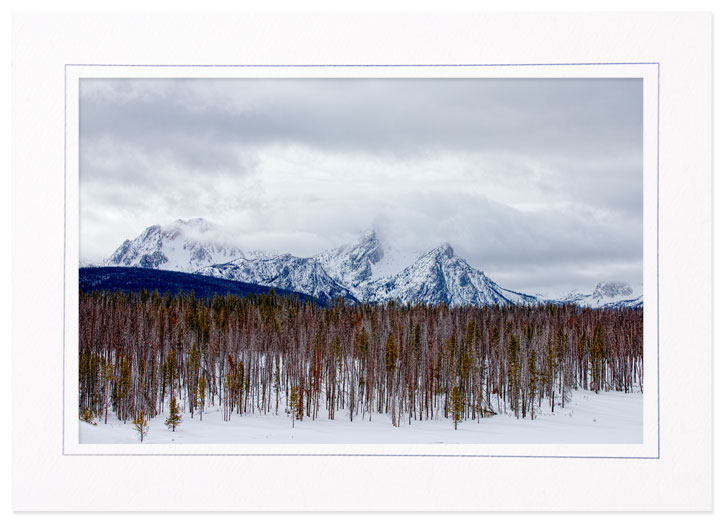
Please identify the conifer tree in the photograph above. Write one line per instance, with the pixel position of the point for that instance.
(550, 372)
(107, 377)
(597, 357)
(513, 373)
(140, 424)
(124, 386)
(294, 400)
(202, 396)
(174, 418)
(87, 416)
(456, 406)
(171, 372)
(391, 355)
(533, 379)
(301, 404)
(193, 373)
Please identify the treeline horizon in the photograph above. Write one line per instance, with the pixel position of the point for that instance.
(278, 354)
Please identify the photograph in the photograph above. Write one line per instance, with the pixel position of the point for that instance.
(269, 262)
(361, 261)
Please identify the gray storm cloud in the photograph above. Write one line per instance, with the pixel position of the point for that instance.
(536, 181)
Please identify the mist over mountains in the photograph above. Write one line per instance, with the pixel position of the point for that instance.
(367, 270)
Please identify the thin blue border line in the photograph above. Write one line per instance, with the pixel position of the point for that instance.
(65, 203)
(384, 455)
(65, 227)
(369, 65)
(658, 261)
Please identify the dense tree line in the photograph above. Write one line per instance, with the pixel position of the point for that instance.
(143, 352)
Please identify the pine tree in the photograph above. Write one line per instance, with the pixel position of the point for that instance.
(174, 418)
(108, 378)
(140, 424)
(171, 373)
(513, 373)
(202, 397)
(294, 400)
(391, 355)
(456, 406)
(193, 373)
(124, 386)
(550, 372)
(87, 416)
(533, 379)
(597, 358)
(301, 403)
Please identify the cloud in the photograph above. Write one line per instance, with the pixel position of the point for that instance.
(529, 179)
(388, 116)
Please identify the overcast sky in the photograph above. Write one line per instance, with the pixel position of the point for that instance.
(536, 182)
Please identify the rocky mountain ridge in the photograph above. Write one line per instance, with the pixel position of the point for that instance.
(361, 271)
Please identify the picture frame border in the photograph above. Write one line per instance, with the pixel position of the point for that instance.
(46, 479)
(650, 73)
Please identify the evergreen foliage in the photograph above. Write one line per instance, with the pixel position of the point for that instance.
(140, 351)
(140, 424)
(87, 416)
(201, 391)
(174, 419)
(294, 400)
(456, 406)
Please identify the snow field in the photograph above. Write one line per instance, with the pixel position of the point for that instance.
(604, 418)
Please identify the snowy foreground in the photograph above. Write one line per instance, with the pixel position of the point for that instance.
(608, 417)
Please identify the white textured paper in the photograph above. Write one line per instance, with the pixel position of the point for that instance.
(671, 469)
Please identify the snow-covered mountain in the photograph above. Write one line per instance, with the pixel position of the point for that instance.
(442, 276)
(368, 259)
(437, 276)
(184, 246)
(366, 270)
(607, 294)
(352, 265)
(376, 273)
(286, 272)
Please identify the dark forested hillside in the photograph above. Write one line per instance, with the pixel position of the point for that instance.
(279, 354)
(117, 279)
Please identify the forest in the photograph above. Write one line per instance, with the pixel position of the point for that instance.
(143, 354)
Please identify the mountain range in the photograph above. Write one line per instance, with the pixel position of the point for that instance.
(365, 270)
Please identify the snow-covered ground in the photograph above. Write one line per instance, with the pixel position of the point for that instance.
(608, 417)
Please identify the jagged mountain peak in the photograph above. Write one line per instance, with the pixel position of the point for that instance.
(183, 245)
(612, 289)
(441, 276)
(150, 231)
(606, 294)
(368, 235)
(191, 227)
(444, 251)
(352, 264)
(368, 246)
